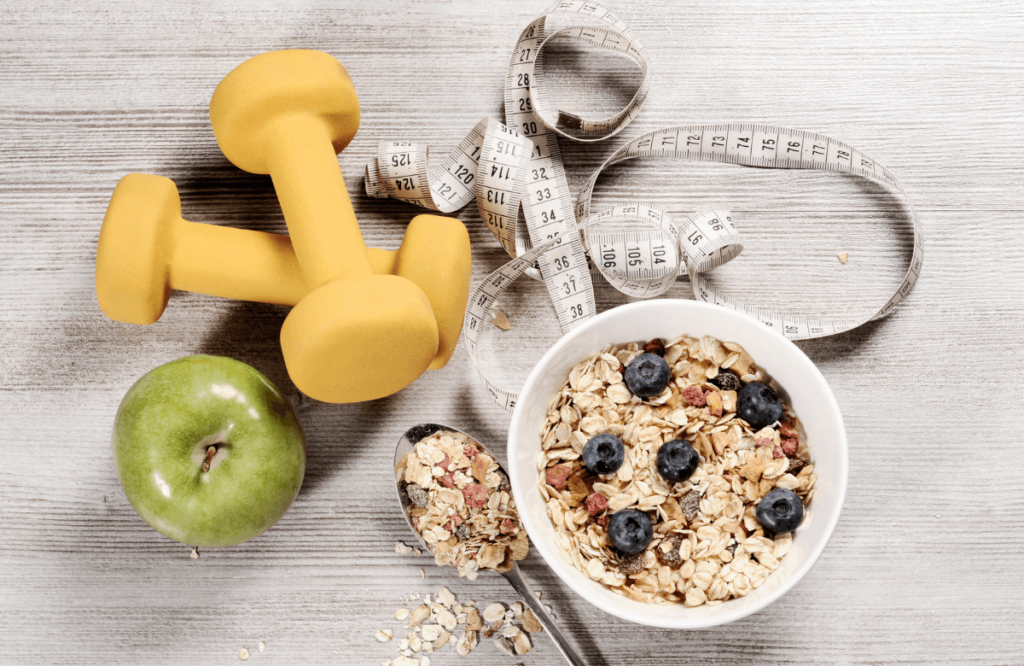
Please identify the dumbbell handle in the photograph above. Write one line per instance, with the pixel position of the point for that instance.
(234, 263)
(245, 265)
(322, 225)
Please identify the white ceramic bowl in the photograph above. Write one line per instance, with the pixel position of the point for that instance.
(802, 385)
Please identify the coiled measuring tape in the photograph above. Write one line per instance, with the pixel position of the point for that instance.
(636, 247)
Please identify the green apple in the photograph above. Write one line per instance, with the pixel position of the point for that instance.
(208, 450)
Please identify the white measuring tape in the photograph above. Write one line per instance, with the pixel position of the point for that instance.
(635, 246)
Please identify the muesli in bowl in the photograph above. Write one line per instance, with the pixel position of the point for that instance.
(672, 472)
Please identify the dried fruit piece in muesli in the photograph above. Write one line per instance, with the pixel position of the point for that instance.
(577, 490)
(475, 495)
(558, 475)
(694, 396)
(596, 503)
(655, 346)
(795, 465)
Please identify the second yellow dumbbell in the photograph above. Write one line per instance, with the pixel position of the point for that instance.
(357, 335)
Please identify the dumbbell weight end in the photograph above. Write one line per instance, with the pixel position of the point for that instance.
(146, 249)
(342, 344)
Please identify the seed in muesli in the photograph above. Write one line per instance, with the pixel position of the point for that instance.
(632, 564)
(707, 545)
(727, 381)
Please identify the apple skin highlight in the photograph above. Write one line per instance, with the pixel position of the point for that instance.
(163, 430)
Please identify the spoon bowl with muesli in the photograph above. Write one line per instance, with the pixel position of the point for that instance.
(457, 499)
(732, 447)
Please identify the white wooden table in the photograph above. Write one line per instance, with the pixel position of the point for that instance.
(925, 566)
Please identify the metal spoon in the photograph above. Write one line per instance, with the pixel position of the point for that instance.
(514, 576)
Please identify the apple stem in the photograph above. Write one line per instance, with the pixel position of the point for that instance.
(210, 452)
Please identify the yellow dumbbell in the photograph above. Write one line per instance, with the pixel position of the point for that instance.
(357, 335)
(146, 249)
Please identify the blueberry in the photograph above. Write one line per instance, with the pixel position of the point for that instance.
(677, 460)
(604, 454)
(727, 381)
(758, 406)
(647, 375)
(630, 531)
(780, 511)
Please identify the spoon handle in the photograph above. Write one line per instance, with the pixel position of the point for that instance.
(515, 577)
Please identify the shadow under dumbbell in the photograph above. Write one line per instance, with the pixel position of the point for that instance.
(224, 194)
(250, 332)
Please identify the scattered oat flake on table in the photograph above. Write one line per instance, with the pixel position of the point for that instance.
(521, 642)
(504, 645)
(385, 635)
(195, 553)
(843, 257)
(447, 621)
(262, 646)
(243, 654)
(500, 320)
(494, 612)
(530, 623)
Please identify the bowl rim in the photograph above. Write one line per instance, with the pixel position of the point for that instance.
(551, 556)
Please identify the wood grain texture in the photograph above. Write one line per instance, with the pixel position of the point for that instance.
(925, 566)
